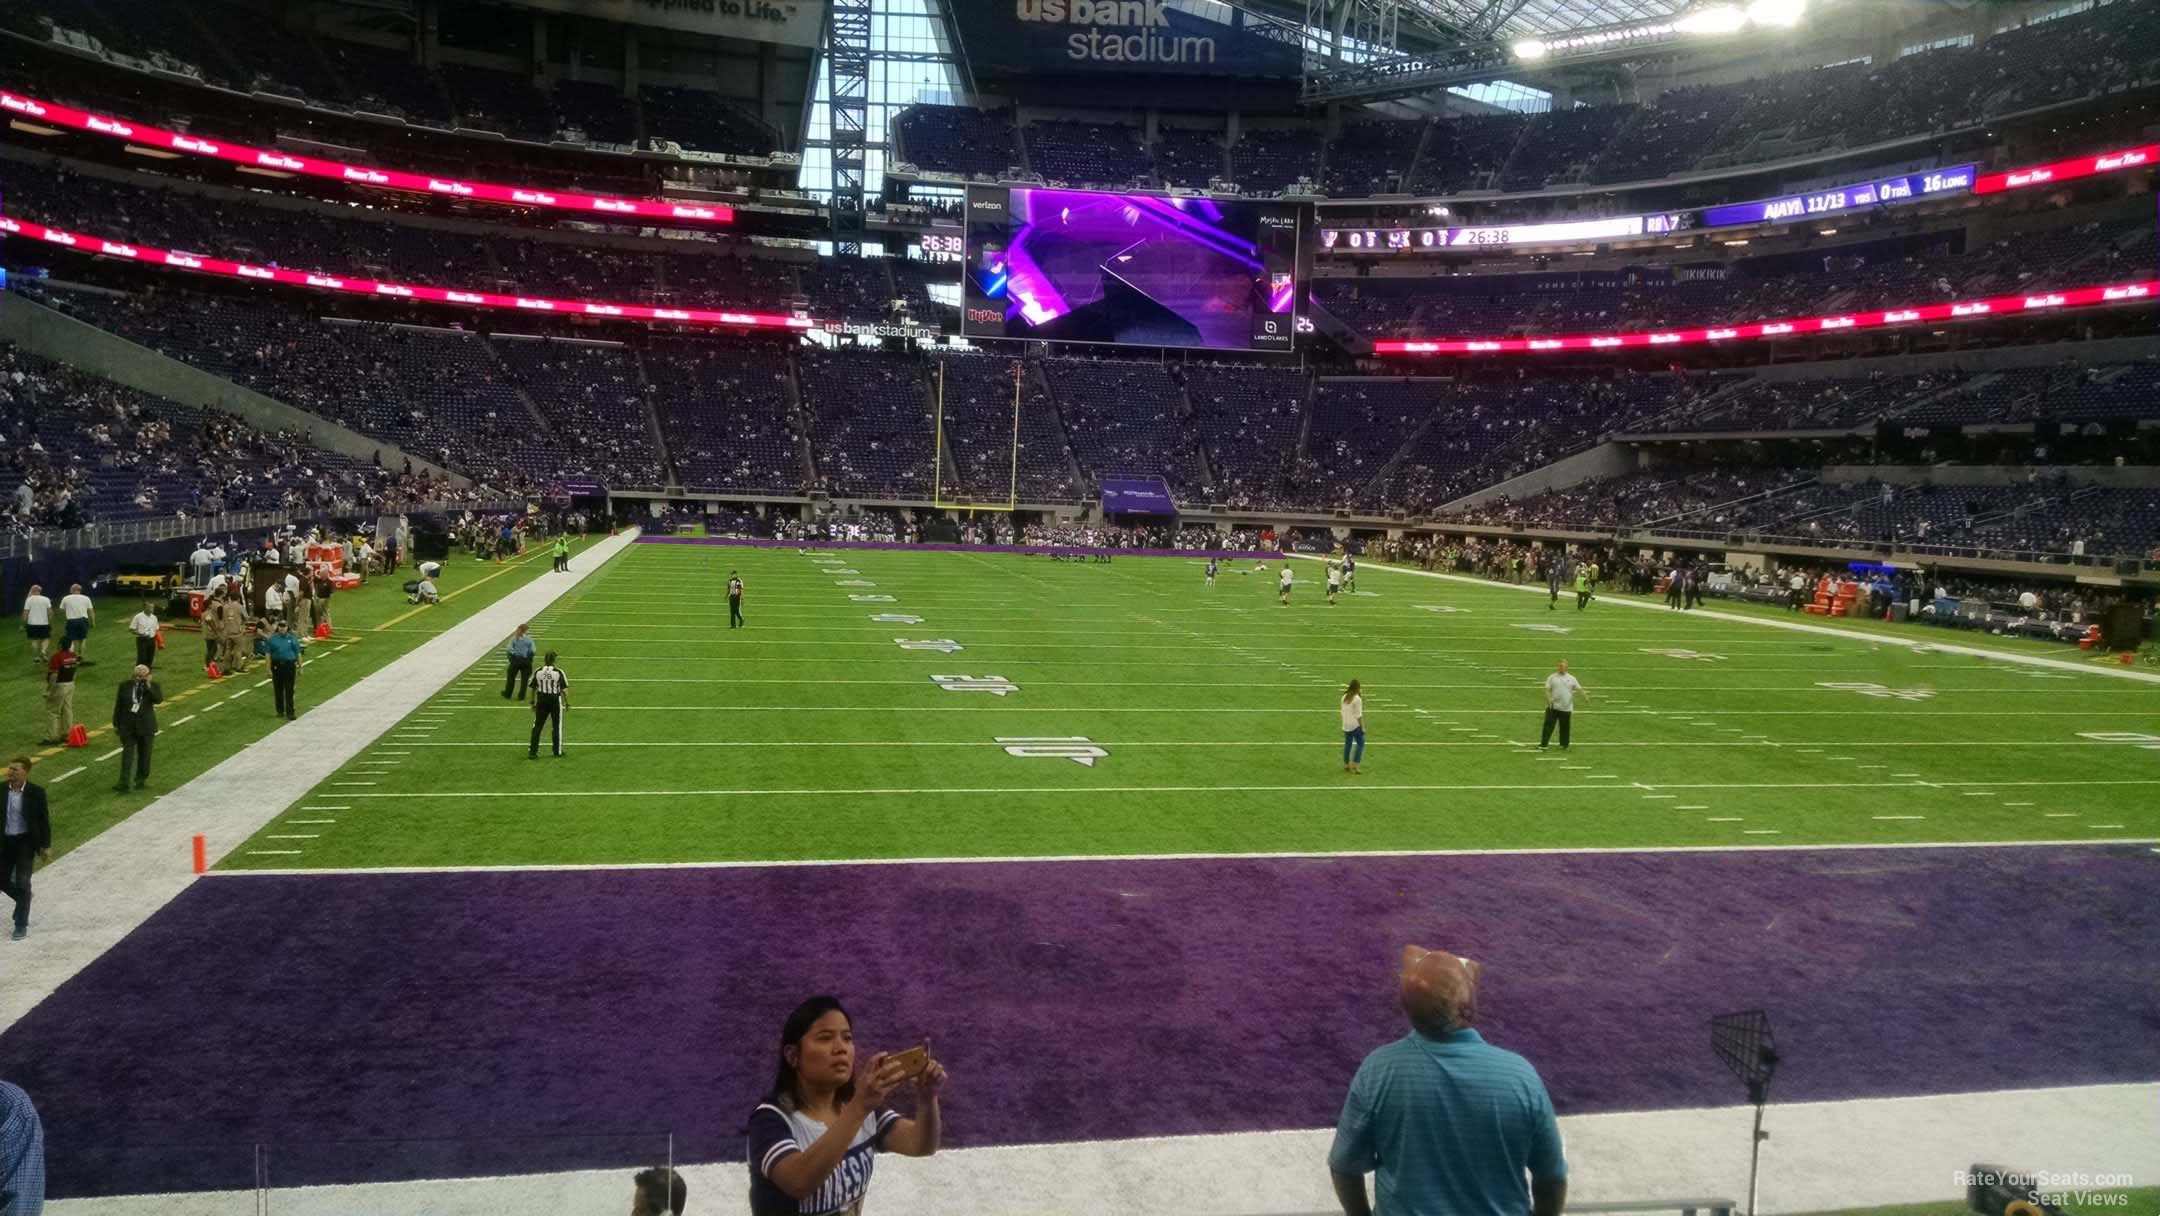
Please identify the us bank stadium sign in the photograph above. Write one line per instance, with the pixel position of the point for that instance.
(1121, 35)
(864, 329)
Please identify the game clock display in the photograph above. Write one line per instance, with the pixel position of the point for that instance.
(1134, 269)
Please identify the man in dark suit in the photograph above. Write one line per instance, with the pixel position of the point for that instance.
(25, 838)
(134, 719)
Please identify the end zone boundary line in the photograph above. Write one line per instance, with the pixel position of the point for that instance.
(1345, 855)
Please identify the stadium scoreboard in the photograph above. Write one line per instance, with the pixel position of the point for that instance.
(1060, 265)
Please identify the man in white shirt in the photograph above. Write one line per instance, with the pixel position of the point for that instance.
(1799, 591)
(1560, 692)
(76, 609)
(274, 602)
(1283, 588)
(199, 565)
(424, 593)
(144, 625)
(37, 621)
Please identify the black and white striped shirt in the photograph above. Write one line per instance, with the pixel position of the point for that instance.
(549, 681)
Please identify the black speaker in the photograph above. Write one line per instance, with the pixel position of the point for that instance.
(2123, 627)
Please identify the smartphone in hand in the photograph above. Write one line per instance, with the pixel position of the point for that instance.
(911, 1062)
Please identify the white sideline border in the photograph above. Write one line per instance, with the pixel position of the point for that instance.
(1978, 652)
(1821, 1156)
(1346, 855)
(107, 887)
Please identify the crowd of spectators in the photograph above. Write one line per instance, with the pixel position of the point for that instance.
(2102, 50)
(232, 45)
(80, 449)
(1856, 279)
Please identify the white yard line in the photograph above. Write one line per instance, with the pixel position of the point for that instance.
(107, 887)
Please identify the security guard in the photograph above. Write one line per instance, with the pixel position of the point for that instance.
(551, 693)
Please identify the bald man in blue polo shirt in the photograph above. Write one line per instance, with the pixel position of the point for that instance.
(1452, 1125)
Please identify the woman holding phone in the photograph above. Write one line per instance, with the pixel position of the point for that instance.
(814, 1138)
(1353, 728)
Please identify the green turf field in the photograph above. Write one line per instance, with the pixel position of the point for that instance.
(202, 722)
(813, 734)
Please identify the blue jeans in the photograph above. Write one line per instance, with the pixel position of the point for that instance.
(1353, 746)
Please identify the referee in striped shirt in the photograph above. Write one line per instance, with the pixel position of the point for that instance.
(551, 692)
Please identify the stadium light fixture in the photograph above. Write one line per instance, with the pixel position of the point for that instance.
(1529, 48)
(1780, 14)
(1716, 19)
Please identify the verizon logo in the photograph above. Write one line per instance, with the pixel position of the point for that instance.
(532, 196)
(256, 272)
(2047, 301)
(696, 213)
(442, 187)
(1777, 328)
(109, 127)
(613, 204)
(542, 304)
(463, 297)
(1902, 314)
(317, 280)
(392, 289)
(188, 143)
(275, 161)
(2125, 293)
(2123, 160)
(1837, 323)
(118, 251)
(1716, 334)
(21, 105)
(1968, 310)
(367, 176)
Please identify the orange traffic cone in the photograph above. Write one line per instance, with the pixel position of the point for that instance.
(78, 737)
(322, 629)
(161, 639)
(212, 671)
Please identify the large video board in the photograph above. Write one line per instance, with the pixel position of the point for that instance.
(1133, 269)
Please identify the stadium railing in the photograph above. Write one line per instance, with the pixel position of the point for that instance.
(137, 531)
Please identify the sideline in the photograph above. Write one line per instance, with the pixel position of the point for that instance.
(1863, 1152)
(105, 889)
(1914, 644)
(1121, 858)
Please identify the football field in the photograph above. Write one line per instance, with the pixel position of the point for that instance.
(1135, 863)
(884, 704)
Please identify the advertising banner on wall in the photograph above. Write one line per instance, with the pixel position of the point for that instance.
(1128, 37)
(795, 22)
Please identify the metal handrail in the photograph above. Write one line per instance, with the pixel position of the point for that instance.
(107, 533)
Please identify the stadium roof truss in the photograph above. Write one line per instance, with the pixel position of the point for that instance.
(1420, 45)
(1522, 18)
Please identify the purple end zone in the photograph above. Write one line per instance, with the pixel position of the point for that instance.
(515, 1021)
(755, 542)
